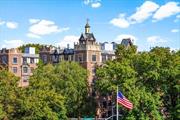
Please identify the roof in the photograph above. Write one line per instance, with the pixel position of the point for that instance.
(66, 51)
(126, 42)
(87, 36)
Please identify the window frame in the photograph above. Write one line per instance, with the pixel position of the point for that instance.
(94, 56)
(14, 69)
(24, 69)
(14, 59)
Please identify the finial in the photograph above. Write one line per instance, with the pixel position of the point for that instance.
(87, 20)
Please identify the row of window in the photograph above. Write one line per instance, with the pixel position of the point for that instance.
(32, 60)
(81, 57)
(15, 60)
(25, 69)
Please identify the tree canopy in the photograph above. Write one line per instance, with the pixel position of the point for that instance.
(68, 79)
(148, 79)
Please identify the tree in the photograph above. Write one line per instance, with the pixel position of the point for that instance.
(130, 74)
(68, 79)
(37, 46)
(9, 94)
(42, 100)
(32, 102)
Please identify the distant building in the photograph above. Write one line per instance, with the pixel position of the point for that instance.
(107, 51)
(88, 53)
(29, 63)
(127, 42)
(21, 64)
(11, 59)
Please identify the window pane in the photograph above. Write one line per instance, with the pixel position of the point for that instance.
(93, 57)
(15, 60)
(24, 60)
(25, 69)
(32, 60)
(14, 69)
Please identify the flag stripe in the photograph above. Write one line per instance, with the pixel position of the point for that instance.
(126, 105)
(130, 106)
(123, 101)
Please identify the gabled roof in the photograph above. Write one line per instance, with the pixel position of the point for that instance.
(87, 36)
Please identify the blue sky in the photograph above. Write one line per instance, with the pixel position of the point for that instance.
(59, 22)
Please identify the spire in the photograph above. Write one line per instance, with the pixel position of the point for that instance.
(87, 27)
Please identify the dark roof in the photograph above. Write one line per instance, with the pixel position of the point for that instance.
(87, 36)
(68, 51)
(126, 42)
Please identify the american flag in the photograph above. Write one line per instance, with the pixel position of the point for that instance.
(123, 101)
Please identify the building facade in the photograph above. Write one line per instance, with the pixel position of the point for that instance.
(20, 64)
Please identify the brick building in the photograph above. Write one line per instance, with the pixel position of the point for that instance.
(21, 64)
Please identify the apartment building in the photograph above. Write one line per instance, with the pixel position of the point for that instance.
(20, 64)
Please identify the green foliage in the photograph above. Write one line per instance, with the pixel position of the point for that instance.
(68, 79)
(37, 46)
(148, 79)
(8, 94)
(34, 102)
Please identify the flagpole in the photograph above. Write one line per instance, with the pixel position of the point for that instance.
(117, 112)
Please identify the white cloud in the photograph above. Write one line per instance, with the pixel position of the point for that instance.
(120, 21)
(119, 38)
(31, 35)
(93, 3)
(167, 10)
(143, 12)
(152, 40)
(96, 5)
(45, 27)
(12, 25)
(32, 21)
(86, 2)
(12, 43)
(175, 30)
(70, 39)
